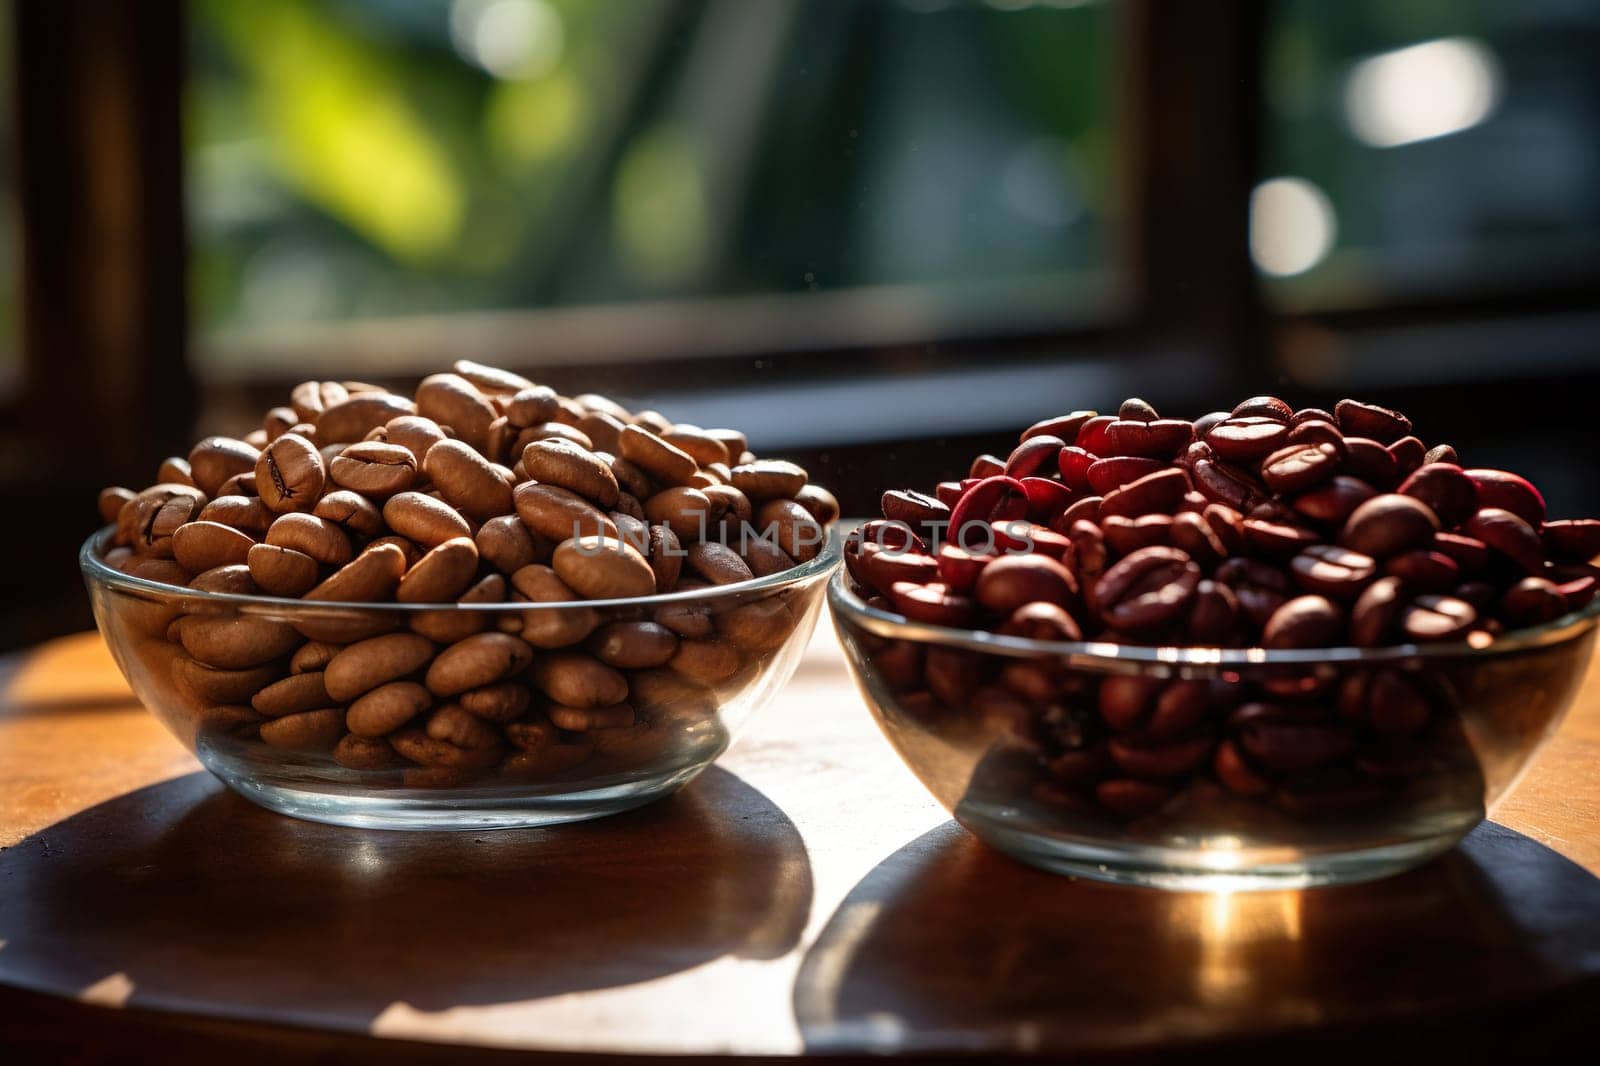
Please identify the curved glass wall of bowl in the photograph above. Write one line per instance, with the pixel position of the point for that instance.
(1416, 152)
(536, 735)
(1290, 779)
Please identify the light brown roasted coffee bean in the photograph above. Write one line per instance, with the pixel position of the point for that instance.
(730, 507)
(633, 645)
(491, 379)
(603, 568)
(451, 400)
(603, 429)
(792, 528)
(310, 398)
(366, 664)
(451, 723)
(200, 546)
(706, 661)
(504, 701)
(292, 694)
(768, 479)
(386, 708)
(822, 504)
(245, 513)
(423, 519)
(236, 643)
(278, 421)
(415, 433)
(684, 510)
(763, 557)
(690, 620)
(112, 500)
(560, 462)
(666, 463)
(531, 406)
(583, 719)
(313, 656)
(368, 578)
(216, 459)
(317, 537)
(446, 626)
(593, 401)
(231, 578)
(551, 628)
(417, 746)
(576, 680)
(666, 557)
(701, 446)
(411, 552)
(630, 478)
(317, 730)
(365, 753)
(442, 574)
(760, 626)
(479, 660)
(718, 563)
(282, 570)
(175, 469)
(505, 544)
(210, 684)
(377, 469)
(558, 514)
(532, 735)
(547, 431)
(467, 480)
(290, 475)
(352, 419)
(350, 510)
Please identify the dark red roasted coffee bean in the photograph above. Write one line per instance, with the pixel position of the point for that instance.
(953, 675)
(986, 465)
(1433, 617)
(1579, 591)
(1496, 488)
(933, 604)
(1236, 774)
(1161, 438)
(959, 568)
(1090, 556)
(994, 499)
(884, 566)
(1116, 471)
(1333, 571)
(1576, 539)
(1014, 580)
(1041, 620)
(1046, 498)
(1531, 601)
(1290, 747)
(1299, 467)
(1264, 407)
(1130, 798)
(1441, 453)
(1128, 535)
(1092, 435)
(1371, 462)
(1064, 426)
(1394, 705)
(1158, 493)
(1147, 590)
(1409, 454)
(1246, 440)
(1482, 595)
(948, 492)
(1277, 540)
(915, 509)
(1508, 534)
(1074, 464)
(890, 534)
(1034, 538)
(1146, 760)
(1180, 709)
(1370, 420)
(1470, 555)
(1309, 433)
(1304, 622)
(1214, 618)
(1192, 533)
(1387, 525)
(1207, 422)
(1084, 509)
(1424, 571)
(1221, 483)
(1125, 702)
(1447, 490)
(1260, 587)
(1034, 454)
(1333, 502)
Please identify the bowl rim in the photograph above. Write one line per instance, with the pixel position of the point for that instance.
(847, 603)
(96, 571)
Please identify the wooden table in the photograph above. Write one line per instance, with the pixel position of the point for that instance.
(803, 895)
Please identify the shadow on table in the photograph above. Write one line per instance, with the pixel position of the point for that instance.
(948, 944)
(206, 903)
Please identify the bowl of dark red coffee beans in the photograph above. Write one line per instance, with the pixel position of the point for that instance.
(478, 604)
(1266, 648)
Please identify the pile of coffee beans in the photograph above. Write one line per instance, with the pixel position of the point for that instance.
(1263, 526)
(482, 488)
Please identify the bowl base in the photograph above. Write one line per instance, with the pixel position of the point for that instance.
(1201, 869)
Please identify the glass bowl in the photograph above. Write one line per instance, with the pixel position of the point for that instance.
(1227, 768)
(517, 757)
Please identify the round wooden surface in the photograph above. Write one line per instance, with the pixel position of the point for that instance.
(803, 895)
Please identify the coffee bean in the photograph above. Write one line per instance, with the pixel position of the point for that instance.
(1333, 503)
(1300, 467)
(1424, 571)
(1533, 600)
(1369, 420)
(290, 474)
(1437, 618)
(1333, 571)
(352, 418)
(602, 568)
(1159, 493)
(1244, 440)
(1496, 488)
(913, 508)
(1507, 533)
(1376, 612)
(1147, 589)
(1387, 525)
(1011, 581)
(1574, 539)
(1304, 622)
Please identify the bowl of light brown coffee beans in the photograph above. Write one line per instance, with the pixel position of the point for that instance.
(480, 605)
(1267, 647)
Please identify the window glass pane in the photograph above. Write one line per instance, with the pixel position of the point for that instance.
(1429, 148)
(361, 158)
